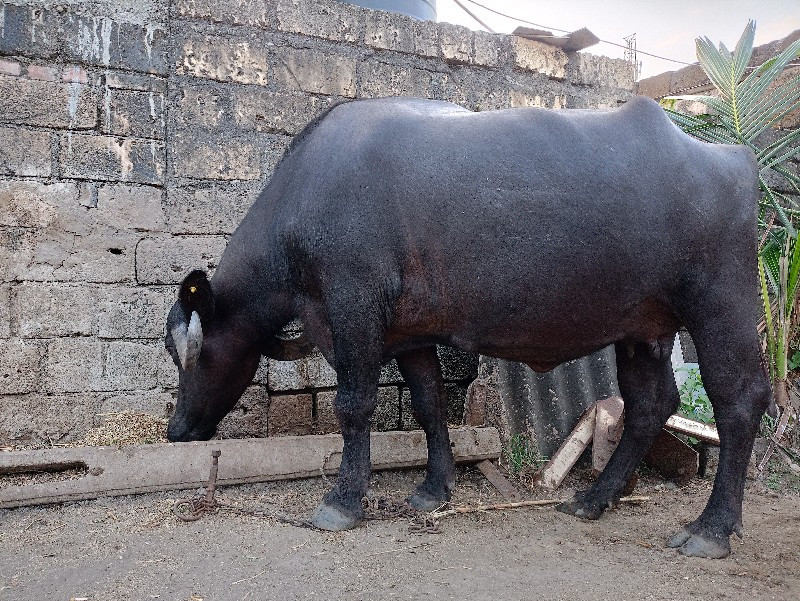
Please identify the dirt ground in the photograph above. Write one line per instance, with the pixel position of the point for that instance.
(134, 548)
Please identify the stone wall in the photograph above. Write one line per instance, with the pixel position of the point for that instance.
(134, 135)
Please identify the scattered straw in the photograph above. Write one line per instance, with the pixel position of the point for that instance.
(126, 428)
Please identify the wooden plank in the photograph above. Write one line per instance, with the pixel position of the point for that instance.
(111, 471)
(499, 481)
(554, 472)
(607, 431)
(695, 429)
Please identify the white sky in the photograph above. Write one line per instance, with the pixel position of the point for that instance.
(663, 27)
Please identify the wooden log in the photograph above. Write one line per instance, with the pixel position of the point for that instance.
(498, 480)
(554, 472)
(607, 431)
(111, 471)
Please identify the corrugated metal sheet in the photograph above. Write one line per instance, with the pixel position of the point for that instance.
(549, 404)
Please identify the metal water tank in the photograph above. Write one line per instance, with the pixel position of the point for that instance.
(421, 9)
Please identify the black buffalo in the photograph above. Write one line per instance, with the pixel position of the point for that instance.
(394, 225)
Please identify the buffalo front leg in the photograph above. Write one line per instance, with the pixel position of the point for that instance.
(738, 387)
(357, 367)
(423, 374)
(648, 388)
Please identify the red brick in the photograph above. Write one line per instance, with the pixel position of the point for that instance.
(9, 67)
(74, 74)
(42, 73)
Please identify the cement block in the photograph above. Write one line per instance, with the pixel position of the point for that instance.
(95, 157)
(290, 414)
(248, 417)
(133, 312)
(29, 204)
(215, 156)
(534, 56)
(130, 366)
(132, 113)
(315, 71)
(387, 411)
(489, 49)
(385, 417)
(457, 365)
(28, 31)
(47, 255)
(600, 71)
(214, 208)
(389, 31)
(167, 370)
(390, 374)
(46, 419)
(407, 419)
(205, 106)
(94, 41)
(222, 59)
(55, 237)
(475, 88)
(167, 260)
(380, 79)
(257, 109)
(20, 366)
(125, 206)
(25, 152)
(74, 365)
(5, 311)
(455, 394)
(119, 80)
(152, 402)
(311, 372)
(327, 19)
(51, 310)
(455, 42)
(240, 12)
(325, 421)
(47, 104)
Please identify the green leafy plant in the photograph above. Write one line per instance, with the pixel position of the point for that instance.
(694, 399)
(522, 454)
(794, 360)
(746, 106)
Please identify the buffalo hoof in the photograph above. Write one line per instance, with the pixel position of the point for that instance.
(330, 517)
(696, 545)
(581, 507)
(425, 501)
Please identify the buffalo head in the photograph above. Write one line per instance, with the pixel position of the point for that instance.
(216, 357)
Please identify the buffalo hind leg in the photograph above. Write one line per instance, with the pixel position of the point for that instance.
(736, 381)
(423, 374)
(648, 388)
(357, 352)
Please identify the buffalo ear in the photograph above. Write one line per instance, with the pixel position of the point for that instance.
(196, 296)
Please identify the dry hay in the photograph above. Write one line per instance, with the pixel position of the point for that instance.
(125, 428)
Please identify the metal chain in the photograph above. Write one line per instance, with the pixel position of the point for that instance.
(375, 508)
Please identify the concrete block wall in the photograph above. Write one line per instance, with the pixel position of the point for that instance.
(134, 135)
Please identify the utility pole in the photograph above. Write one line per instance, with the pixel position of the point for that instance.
(630, 55)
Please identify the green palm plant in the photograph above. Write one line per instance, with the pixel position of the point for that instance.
(745, 107)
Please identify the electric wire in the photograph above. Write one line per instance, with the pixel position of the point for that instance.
(497, 12)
